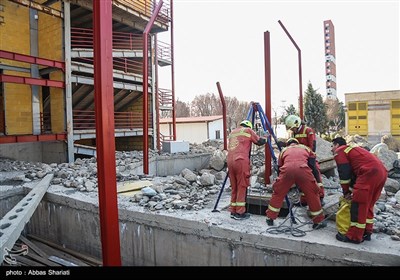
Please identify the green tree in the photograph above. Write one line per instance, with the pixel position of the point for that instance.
(315, 110)
(291, 110)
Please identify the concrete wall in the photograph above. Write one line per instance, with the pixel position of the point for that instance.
(165, 239)
(47, 152)
(9, 197)
(174, 165)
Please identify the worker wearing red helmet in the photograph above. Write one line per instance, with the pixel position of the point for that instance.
(240, 140)
(306, 136)
(362, 176)
(294, 169)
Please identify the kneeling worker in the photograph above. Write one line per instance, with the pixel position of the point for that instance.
(295, 167)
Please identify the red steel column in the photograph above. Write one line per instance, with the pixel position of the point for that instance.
(173, 72)
(146, 88)
(221, 96)
(267, 63)
(105, 132)
(300, 76)
(157, 97)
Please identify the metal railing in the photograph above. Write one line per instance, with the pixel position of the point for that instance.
(164, 51)
(82, 38)
(165, 97)
(84, 119)
(146, 7)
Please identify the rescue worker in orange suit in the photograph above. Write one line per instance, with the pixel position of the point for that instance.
(362, 177)
(306, 136)
(240, 140)
(295, 167)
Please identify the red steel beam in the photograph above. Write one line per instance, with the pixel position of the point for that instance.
(146, 88)
(32, 138)
(32, 59)
(221, 96)
(105, 138)
(300, 76)
(268, 107)
(31, 81)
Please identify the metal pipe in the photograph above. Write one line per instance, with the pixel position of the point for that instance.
(157, 97)
(300, 77)
(221, 96)
(105, 138)
(173, 72)
(146, 88)
(267, 65)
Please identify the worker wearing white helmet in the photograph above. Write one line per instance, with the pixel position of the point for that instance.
(306, 136)
(240, 140)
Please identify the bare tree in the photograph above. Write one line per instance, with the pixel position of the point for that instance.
(210, 105)
(335, 114)
(182, 109)
(205, 105)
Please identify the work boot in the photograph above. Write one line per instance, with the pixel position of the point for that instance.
(233, 215)
(367, 236)
(344, 238)
(243, 216)
(270, 222)
(320, 225)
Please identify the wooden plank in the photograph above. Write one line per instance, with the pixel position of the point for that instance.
(131, 193)
(52, 252)
(133, 186)
(86, 258)
(33, 247)
(27, 261)
(41, 260)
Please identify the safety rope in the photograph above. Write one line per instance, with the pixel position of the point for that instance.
(294, 227)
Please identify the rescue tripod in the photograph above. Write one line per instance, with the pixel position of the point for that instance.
(251, 116)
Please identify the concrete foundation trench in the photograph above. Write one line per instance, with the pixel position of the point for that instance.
(198, 238)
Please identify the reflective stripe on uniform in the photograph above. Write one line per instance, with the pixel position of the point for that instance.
(320, 185)
(240, 203)
(300, 135)
(240, 133)
(348, 149)
(316, 213)
(273, 209)
(355, 224)
(233, 203)
(342, 182)
(370, 221)
(351, 189)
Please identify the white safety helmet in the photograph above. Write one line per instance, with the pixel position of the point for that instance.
(247, 123)
(292, 121)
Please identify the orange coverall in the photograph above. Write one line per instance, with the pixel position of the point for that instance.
(306, 136)
(240, 140)
(363, 174)
(294, 169)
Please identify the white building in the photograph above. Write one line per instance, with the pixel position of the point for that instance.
(194, 129)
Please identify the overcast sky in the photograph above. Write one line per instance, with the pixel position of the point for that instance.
(224, 41)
